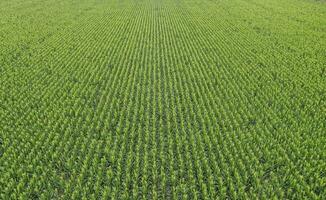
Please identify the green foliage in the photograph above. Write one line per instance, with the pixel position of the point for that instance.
(172, 99)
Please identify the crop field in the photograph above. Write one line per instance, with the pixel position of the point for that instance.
(162, 99)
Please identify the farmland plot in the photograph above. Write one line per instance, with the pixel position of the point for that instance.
(172, 99)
